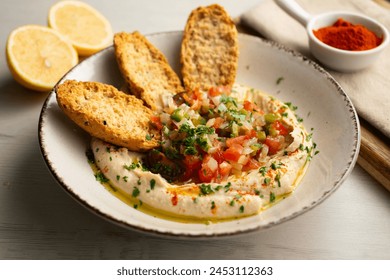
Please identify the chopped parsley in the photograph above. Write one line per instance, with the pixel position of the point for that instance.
(272, 197)
(152, 184)
(277, 178)
(205, 189)
(242, 209)
(135, 192)
(101, 178)
(275, 166)
(227, 187)
(90, 156)
(291, 106)
(263, 170)
(132, 166)
(279, 80)
(228, 99)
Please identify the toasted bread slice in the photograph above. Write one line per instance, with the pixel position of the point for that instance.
(108, 114)
(145, 69)
(209, 50)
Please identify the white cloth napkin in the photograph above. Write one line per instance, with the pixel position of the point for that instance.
(368, 89)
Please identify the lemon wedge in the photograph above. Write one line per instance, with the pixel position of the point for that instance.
(85, 28)
(38, 56)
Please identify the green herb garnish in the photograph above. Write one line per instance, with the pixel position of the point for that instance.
(135, 192)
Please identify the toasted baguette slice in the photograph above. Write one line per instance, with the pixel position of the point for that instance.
(108, 114)
(209, 50)
(145, 69)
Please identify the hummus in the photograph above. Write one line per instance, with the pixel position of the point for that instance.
(237, 195)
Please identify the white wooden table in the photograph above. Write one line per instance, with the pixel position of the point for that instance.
(38, 220)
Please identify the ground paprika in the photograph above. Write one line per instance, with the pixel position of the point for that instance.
(347, 36)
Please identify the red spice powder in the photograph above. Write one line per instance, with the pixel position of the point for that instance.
(347, 36)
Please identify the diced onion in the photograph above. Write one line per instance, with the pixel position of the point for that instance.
(246, 125)
(216, 100)
(236, 167)
(212, 150)
(222, 107)
(165, 118)
(184, 107)
(247, 150)
(206, 103)
(250, 142)
(212, 164)
(167, 143)
(210, 122)
(243, 159)
(169, 103)
(224, 125)
(264, 152)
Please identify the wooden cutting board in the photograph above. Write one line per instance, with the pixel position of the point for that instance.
(374, 155)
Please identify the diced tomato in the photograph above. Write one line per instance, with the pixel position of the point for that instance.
(251, 107)
(218, 155)
(155, 120)
(196, 105)
(273, 145)
(233, 153)
(251, 164)
(174, 199)
(192, 166)
(217, 123)
(277, 125)
(215, 91)
(239, 140)
(189, 99)
(192, 97)
(251, 133)
(192, 161)
(197, 95)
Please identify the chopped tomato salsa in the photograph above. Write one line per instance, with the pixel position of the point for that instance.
(209, 136)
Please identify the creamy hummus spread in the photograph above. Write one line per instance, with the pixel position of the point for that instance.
(238, 194)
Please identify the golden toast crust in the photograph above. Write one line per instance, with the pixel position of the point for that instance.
(108, 114)
(209, 51)
(145, 69)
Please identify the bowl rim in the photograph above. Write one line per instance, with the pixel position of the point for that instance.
(196, 236)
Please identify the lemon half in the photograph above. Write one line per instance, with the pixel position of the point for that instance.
(85, 28)
(38, 56)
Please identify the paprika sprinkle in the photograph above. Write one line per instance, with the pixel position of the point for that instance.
(347, 36)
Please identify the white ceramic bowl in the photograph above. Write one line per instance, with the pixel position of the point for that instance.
(333, 58)
(321, 102)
